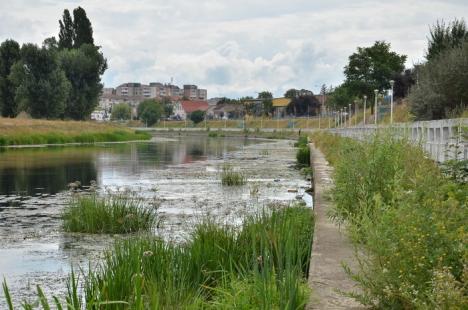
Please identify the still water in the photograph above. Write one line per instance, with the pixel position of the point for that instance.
(178, 176)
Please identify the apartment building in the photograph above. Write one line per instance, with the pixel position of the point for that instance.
(192, 92)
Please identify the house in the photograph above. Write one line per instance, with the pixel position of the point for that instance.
(279, 106)
(184, 108)
(226, 110)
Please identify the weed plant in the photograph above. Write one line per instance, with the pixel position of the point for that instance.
(116, 214)
(407, 219)
(230, 177)
(261, 265)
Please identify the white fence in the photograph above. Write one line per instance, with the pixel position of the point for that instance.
(442, 139)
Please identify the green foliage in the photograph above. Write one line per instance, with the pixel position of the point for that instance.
(83, 68)
(457, 170)
(340, 97)
(372, 68)
(407, 219)
(303, 152)
(41, 85)
(82, 29)
(267, 102)
(441, 91)
(112, 215)
(230, 177)
(197, 116)
(444, 37)
(150, 112)
(9, 54)
(121, 111)
(66, 34)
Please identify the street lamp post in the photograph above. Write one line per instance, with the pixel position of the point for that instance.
(376, 93)
(349, 115)
(392, 82)
(365, 101)
(355, 112)
(345, 115)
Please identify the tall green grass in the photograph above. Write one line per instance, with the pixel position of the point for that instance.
(230, 177)
(261, 265)
(303, 151)
(114, 214)
(407, 219)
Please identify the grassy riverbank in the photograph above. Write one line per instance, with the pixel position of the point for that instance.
(28, 131)
(261, 265)
(407, 219)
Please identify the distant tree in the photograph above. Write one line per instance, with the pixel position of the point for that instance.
(83, 67)
(197, 116)
(340, 97)
(443, 37)
(267, 101)
(9, 55)
(303, 105)
(168, 109)
(403, 83)
(372, 68)
(83, 31)
(41, 85)
(150, 111)
(50, 44)
(121, 111)
(291, 93)
(441, 90)
(67, 32)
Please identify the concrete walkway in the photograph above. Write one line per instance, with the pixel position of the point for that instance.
(330, 248)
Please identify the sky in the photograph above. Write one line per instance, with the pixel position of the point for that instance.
(235, 48)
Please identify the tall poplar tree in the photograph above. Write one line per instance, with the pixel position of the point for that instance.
(9, 55)
(82, 28)
(66, 34)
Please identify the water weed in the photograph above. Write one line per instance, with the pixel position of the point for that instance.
(230, 177)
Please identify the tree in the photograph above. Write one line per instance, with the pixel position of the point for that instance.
(9, 55)
(291, 93)
(121, 111)
(197, 116)
(443, 37)
(372, 68)
(41, 85)
(83, 67)
(149, 111)
(340, 97)
(83, 31)
(403, 83)
(442, 89)
(303, 105)
(67, 33)
(267, 101)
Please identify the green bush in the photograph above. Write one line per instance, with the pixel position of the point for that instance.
(303, 156)
(229, 177)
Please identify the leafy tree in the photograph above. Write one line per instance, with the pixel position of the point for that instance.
(267, 101)
(121, 111)
(443, 37)
(149, 111)
(442, 89)
(303, 105)
(83, 31)
(168, 109)
(291, 93)
(9, 55)
(41, 85)
(372, 68)
(197, 116)
(50, 44)
(340, 97)
(67, 33)
(403, 83)
(83, 67)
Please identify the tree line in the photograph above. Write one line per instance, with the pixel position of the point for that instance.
(60, 79)
(435, 89)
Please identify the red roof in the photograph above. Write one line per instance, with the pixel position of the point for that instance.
(189, 106)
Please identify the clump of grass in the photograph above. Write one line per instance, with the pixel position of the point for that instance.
(116, 214)
(213, 134)
(303, 151)
(230, 177)
(261, 265)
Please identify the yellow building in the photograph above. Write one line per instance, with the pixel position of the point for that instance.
(279, 106)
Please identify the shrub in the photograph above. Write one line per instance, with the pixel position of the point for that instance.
(230, 177)
(303, 156)
(115, 214)
(197, 116)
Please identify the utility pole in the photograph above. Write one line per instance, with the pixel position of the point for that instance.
(376, 92)
(365, 101)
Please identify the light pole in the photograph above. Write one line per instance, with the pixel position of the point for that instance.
(392, 82)
(376, 93)
(345, 115)
(365, 101)
(355, 112)
(349, 115)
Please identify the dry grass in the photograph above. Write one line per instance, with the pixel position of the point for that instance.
(401, 114)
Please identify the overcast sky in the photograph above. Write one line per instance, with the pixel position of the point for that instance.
(235, 48)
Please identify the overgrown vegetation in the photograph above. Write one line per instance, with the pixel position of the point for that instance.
(24, 132)
(261, 265)
(231, 177)
(116, 214)
(303, 152)
(408, 220)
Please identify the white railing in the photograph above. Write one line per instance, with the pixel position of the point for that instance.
(442, 139)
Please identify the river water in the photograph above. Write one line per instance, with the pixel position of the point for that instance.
(177, 176)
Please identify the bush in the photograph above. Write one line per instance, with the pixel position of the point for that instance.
(230, 177)
(303, 156)
(114, 215)
(121, 111)
(150, 111)
(197, 116)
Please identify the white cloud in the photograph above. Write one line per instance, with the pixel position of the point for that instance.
(235, 48)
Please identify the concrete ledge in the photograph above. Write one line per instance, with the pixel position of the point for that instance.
(330, 248)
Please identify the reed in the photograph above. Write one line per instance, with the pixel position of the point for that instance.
(230, 177)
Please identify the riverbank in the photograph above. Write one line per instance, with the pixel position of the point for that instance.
(50, 132)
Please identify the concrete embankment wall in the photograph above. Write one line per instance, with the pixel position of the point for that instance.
(442, 139)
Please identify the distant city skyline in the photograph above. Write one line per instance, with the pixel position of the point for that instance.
(235, 49)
